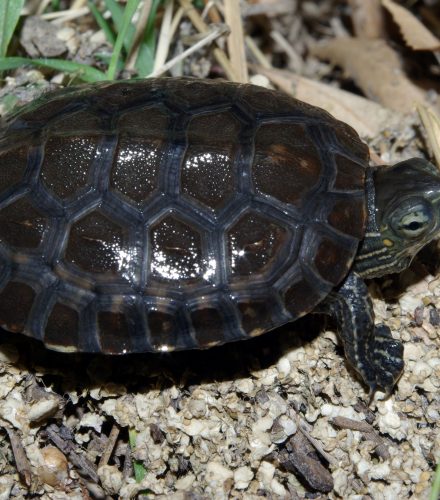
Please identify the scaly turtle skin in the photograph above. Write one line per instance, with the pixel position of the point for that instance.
(176, 214)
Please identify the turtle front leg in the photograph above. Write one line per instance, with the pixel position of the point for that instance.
(369, 348)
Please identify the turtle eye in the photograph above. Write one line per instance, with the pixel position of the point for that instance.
(414, 220)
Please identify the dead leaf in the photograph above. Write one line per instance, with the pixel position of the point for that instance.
(376, 69)
(431, 122)
(367, 18)
(368, 118)
(415, 34)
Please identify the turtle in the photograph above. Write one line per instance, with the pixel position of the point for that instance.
(175, 213)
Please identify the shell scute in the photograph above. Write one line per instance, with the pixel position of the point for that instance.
(256, 246)
(136, 167)
(98, 245)
(213, 140)
(343, 218)
(332, 259)
(176, 252)
(285, 151)
(22, 225)
(173, 214)
(67, 163)
(13, 162)
(350, 176)
(61, 330)
(12, 318)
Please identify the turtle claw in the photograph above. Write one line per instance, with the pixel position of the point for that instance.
(386, 359)
(373, 389)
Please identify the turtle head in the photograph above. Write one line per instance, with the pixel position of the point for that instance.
(404, 215)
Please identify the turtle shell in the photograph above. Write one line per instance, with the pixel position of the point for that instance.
(165, 214)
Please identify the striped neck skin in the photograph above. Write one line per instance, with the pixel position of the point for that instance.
(374, 258)
(403, 203)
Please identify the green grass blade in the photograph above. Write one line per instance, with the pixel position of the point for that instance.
(117, 13)
(145, 59)
(9, 16)
(102, 23)
(138, 467)
(55, 5)
(435, 492)
(82, 71)
(129, 10)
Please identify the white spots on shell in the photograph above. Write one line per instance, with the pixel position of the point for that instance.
(198, 161)
(210, 266)
(175, 270)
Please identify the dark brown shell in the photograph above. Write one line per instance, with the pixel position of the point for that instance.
(172, 214)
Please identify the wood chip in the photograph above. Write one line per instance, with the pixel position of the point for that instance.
(349, 423)
(368, 431)
(114, 433)
(84, 465)
(21, 460)
(376, 69)
(303, 459)
(415, 34)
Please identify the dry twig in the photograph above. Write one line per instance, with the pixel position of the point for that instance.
(235, 40)
(21, 460)
(114, 433)
(201, 26)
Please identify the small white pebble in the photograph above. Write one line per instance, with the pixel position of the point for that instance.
(43, 409)
(184, 483)
(288, 425)
(242, 477)
(6, 484)
(412, 352)
(217, 473)
(265, 473)
(277, 488)
(392, 420)
(327, 410)
(245, 386)
(262, 424)
(379, 471)
(283, 367)
(197, 408)
(53, 468)
(362, 467)
(422, 369)
(260, 80)
(433, 414)
(111, 478)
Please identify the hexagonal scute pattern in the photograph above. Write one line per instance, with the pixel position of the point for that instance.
(98, 245)
(22, 225)
(209, 161)
(256, 245)
(16, 300)
(13, 164)
(136, 166)
(176, 251)
(140, 153)
(67, 163)
(172, 214)
(287, 165)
